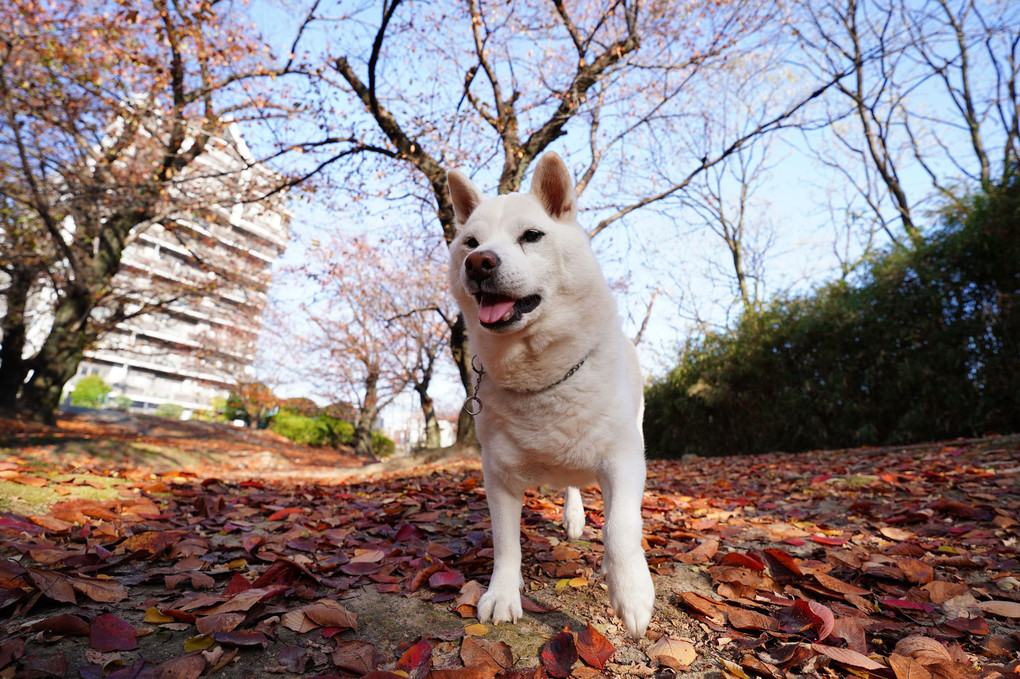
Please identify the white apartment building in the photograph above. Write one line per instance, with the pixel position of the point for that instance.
(198, 347)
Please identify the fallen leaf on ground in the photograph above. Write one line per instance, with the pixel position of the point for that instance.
(559, 654)
(677, 654)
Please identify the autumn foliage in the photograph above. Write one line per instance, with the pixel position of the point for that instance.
(106, 109)
(891, 564)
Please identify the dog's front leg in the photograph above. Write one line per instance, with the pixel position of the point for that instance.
(631, 592)
(502, 601)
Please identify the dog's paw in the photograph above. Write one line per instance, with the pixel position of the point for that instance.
(631, 594)
(573, 519)
(500, 605)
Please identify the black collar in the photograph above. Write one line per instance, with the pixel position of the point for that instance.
(473, 404)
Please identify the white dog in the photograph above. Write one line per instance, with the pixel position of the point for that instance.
(560, 389)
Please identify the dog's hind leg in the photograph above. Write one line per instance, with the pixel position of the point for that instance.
(573, 513)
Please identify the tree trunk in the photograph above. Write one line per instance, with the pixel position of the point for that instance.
(466, 435)
(734, 245)
(13, 367)
(428, 410)
(57, 360)
(61, 352)
(362, 441)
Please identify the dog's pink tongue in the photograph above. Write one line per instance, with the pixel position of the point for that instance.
(492, 308)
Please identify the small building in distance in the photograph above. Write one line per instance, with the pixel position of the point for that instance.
(214, 264)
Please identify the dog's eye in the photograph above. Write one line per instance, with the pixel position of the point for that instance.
(471, 243)
(531, 236)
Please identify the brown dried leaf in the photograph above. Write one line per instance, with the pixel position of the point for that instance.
(221, 622)
(466, 604)
(851, 631)
(99, 589)
(298, 622)
(243, 601)
(329, 613)
(907, 668)
(52, 585)
(52, 524)
(152, 543)
(565, 553)
(675, 651)
(64, 624)
(242, 638)
(189, 666)
(749, 662)
(703, 553)
(839, 586)
(494, 654)
(741, 618)
(897, 534)
(825, 615)
(738, 574)
(942, 591)
(1004, 609)
(27, 480)
(847, 657)
(358, 657)
(705, 606)
(922, 649)
(916, 571)
(472, 672)
(733, 669)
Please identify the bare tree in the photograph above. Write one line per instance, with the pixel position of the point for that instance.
(413, 90)
(373, 328)
(427, 315)
(971, 50)
(723, 200)
(931, 87)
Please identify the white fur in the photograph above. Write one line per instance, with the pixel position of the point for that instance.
(586, 429)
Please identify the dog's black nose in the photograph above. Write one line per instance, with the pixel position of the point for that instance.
(481, 265)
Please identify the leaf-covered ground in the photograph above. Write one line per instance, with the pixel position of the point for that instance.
(131, 551)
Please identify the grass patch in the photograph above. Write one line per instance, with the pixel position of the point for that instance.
(31, 500)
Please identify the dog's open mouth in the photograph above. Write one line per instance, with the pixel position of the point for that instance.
(498, 311)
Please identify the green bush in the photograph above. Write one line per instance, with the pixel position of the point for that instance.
(297, 428)
(923, 347)
(170, 410)
(90, 392)
(382, 446)
(312, 431)
(122, 402)
(340, 432)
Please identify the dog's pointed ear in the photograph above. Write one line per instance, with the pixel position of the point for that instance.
(554, 187)
(464, 195)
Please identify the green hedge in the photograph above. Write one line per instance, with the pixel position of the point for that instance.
(170, 410)
(926, 346)
(312, 431)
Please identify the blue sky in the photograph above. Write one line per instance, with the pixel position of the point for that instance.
(798, 204)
